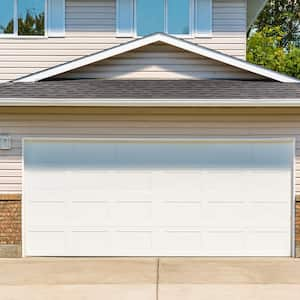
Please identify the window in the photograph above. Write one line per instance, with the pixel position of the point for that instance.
(170, 16)
(22, 17)
(31, 17)
(7, 17)
(150, 16)
(178, 16)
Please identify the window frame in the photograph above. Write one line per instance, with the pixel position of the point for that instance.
(16, 35)
(191, 20)
(208, 34)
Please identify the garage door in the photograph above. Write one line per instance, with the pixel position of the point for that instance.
(157, 198)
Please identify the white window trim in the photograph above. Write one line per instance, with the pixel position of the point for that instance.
(15, 34)
(192, 33)
(118, 33)
(202, 34)
(193, 19)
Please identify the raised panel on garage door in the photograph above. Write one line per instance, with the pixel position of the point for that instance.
(157, 198)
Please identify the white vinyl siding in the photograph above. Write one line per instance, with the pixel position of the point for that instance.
(91, 26)
(159, 61)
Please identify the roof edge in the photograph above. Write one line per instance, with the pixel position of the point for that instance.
(184, 102)
(150, 39)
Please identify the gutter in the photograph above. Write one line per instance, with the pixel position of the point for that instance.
(95, 102)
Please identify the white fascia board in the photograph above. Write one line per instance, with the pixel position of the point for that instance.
(164, 38)
(227, 59)
(86, 60)
(49, 102)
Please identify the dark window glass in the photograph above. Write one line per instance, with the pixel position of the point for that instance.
(31, 17)
(6, 16)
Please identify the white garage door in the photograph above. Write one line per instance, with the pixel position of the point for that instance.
(157, 198)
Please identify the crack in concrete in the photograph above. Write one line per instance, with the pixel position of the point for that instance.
(157, 278)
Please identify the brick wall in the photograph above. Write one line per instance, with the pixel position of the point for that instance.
(10, 225)
(298, 227)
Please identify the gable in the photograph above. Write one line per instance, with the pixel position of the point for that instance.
(183, 45)
(158, 61)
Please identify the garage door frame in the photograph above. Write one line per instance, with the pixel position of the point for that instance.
(291, 140)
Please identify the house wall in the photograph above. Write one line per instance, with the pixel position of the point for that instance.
(159, 61)
(129, 122)
(91, 27)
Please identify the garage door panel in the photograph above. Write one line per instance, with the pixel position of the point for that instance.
(224, 186)
(268, 214)
(133, 241)
(262, 186)
(88, 213)
(266, 156)
(175, 242)
(45, 243)
(225, 242)
(228, 214)
(87, 241)
(133, 214)
(79, 195)
(68, 156)
(181, 214)
(156, 198)
(47, 195)
(164, 180)
(53, 213)
(128, 195)
(109, 180)
(268, 242)
(40, 179)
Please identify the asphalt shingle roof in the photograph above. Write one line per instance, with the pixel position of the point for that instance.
(152, 89)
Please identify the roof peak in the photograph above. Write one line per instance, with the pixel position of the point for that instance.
(151, 39)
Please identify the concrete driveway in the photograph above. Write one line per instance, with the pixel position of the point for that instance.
(149, 279)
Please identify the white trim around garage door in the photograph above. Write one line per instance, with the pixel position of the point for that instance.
(291, 140)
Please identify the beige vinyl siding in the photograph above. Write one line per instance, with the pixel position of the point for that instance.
(138, 122)
(91, 27)
(159, 61)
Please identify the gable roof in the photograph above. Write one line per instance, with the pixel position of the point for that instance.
(150, 39)
(150, 93)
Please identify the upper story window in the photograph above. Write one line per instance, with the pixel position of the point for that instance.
(170, 16)
(22, 17)
(7, 17)
(177, 17)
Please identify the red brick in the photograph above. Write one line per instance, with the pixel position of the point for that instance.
(298, 224)
(10, 222)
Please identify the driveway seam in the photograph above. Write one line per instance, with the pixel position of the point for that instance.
(157, 278)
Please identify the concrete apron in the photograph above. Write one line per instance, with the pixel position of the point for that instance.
(149, 278)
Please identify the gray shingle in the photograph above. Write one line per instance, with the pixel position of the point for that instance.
(152, 89)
